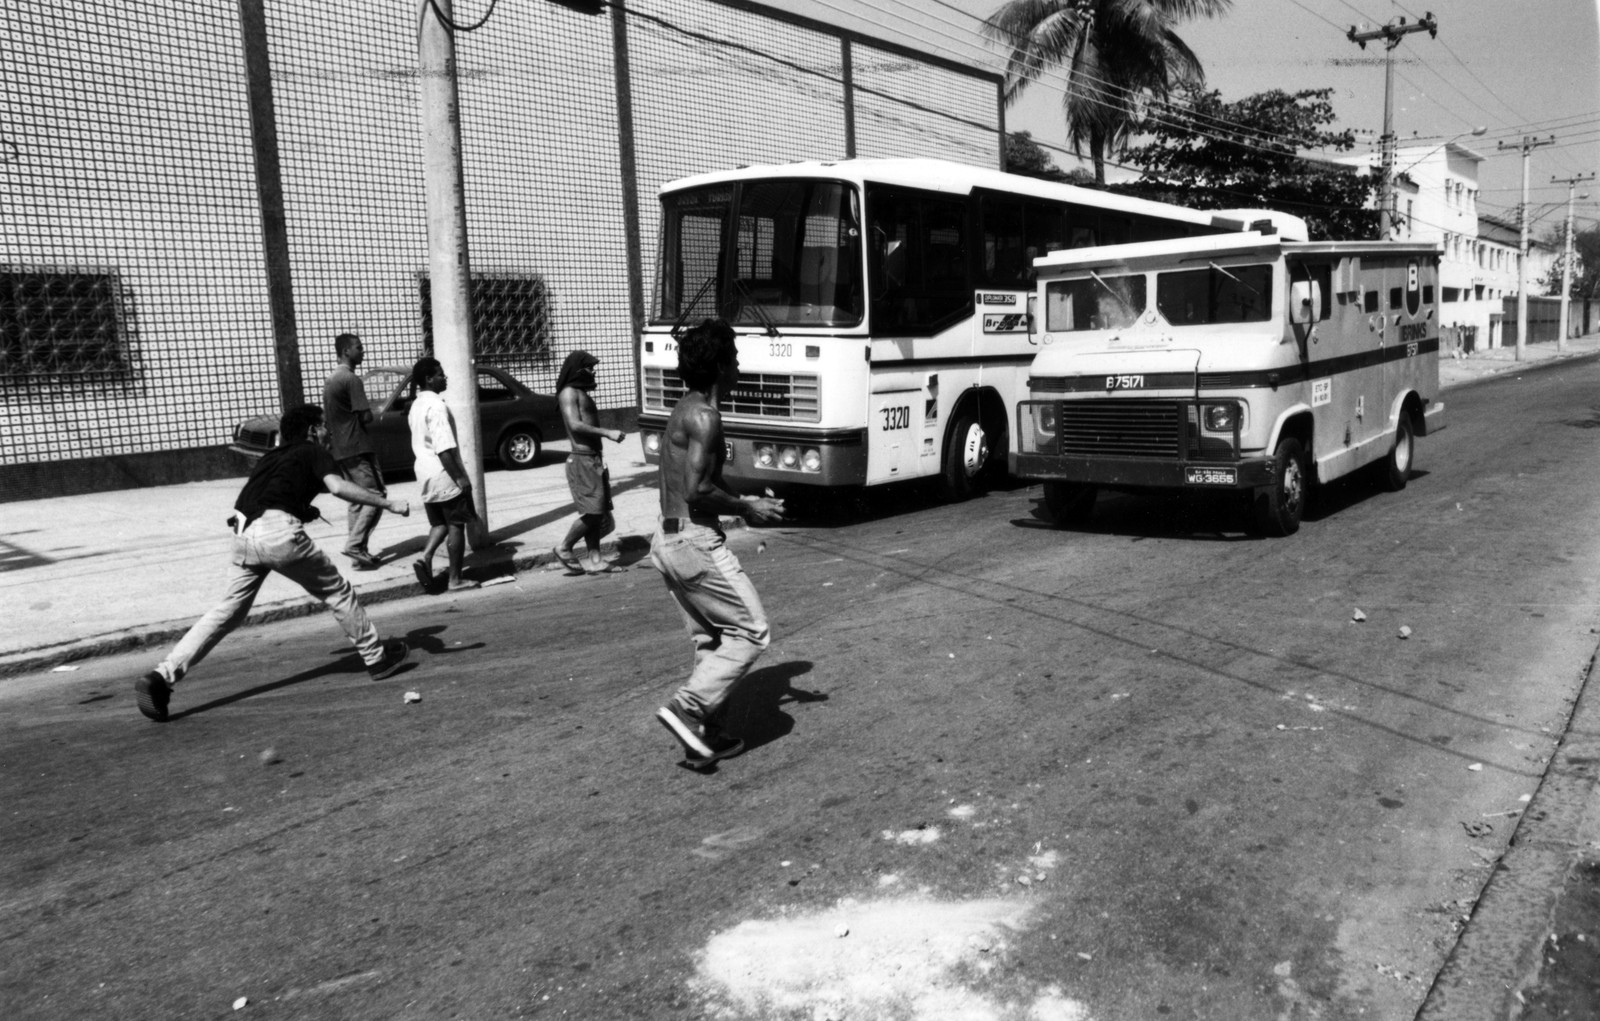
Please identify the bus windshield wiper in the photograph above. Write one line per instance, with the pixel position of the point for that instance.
(1126, 307)
(755, 306)
(683, 316)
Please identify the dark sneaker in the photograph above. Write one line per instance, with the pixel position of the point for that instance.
(688, 730)
(395, 651)
(153, 693)
(722, 747)
(364, 560)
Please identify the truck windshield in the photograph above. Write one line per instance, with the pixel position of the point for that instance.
(788, 255)
(1094, 303)
(1215, 294)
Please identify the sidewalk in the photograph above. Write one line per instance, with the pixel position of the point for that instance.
(84, 576)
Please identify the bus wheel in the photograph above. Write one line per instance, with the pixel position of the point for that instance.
(1069, 503)
(966, 456)
(1397, 466)
(1279, 508)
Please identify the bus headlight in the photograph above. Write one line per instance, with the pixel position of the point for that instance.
(811, 460)
(766, 456)
(789, 457)
(652, 443)
(1223, 418)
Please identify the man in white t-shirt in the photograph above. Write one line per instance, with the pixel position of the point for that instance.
(446, 489)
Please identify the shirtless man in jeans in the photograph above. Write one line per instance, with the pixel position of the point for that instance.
(720, 607)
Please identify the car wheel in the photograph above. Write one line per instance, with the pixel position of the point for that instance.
(1280, 507)
(520, 448)
(1397, 466)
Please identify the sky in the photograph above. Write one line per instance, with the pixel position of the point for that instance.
(1519, 68)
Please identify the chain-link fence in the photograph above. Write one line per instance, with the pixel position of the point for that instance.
(200, 197)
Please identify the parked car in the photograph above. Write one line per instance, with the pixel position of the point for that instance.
(514, 420)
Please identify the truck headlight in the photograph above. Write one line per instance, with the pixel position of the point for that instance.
(766, 456)
(1223, 418)
(652, 443)
(811, 460)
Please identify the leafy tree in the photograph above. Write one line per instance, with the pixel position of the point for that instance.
(1116, 54)
(1209, 154)
(1027, 157)
(1585, 263)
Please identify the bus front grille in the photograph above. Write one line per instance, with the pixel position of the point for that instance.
(768, 395)
(1117, 428)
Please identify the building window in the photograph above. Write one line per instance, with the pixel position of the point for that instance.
(510, 314)
(63, 324)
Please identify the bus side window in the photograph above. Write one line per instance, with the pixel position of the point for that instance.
(1005, 262)
(921, 283)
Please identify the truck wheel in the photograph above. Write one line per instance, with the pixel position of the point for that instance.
(965, 456)
(1397, 466)
(1279, 508)
(1069, 503)
(519, 448)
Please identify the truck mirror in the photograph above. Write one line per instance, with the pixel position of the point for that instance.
(1305, 302)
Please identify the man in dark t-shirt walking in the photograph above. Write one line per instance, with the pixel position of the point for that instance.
(269, 535)
(345, 398)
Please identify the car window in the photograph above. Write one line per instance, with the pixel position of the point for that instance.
(381, 385)
(490, 388)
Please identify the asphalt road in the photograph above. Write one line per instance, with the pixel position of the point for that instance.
(1147, 768)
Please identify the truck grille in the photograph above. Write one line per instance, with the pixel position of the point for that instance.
(1116, 428)
(769, 395)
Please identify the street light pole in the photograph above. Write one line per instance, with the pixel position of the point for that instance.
(1391, 34)
(1529, 143)
(1566, 256)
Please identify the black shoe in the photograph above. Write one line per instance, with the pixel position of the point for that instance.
(364, 560)
(153, 693)
(688, 730)
(722, 747)
(395, 651)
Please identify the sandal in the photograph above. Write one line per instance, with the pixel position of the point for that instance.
(569, 560)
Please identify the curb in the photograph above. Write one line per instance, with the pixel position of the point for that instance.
(1499, 950)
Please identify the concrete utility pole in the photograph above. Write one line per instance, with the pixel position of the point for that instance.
(1566, 258)
(1528, 144)
(449, 271)
(1391, 34)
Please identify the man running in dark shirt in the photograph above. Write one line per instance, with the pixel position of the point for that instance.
(269, 535)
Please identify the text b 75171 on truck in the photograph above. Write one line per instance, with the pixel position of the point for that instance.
(1240, 362)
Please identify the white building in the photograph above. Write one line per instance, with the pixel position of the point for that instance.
(1436, 199)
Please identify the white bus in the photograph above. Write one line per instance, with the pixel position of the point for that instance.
(1242, 363)
(882, 306)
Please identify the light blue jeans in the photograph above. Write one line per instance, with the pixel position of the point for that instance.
(275, 541)
(720, 609)
(362, 518)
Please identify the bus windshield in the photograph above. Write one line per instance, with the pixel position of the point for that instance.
(1093, 303)
(789, 255)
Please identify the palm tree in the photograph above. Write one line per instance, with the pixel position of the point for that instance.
(1116, 54)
